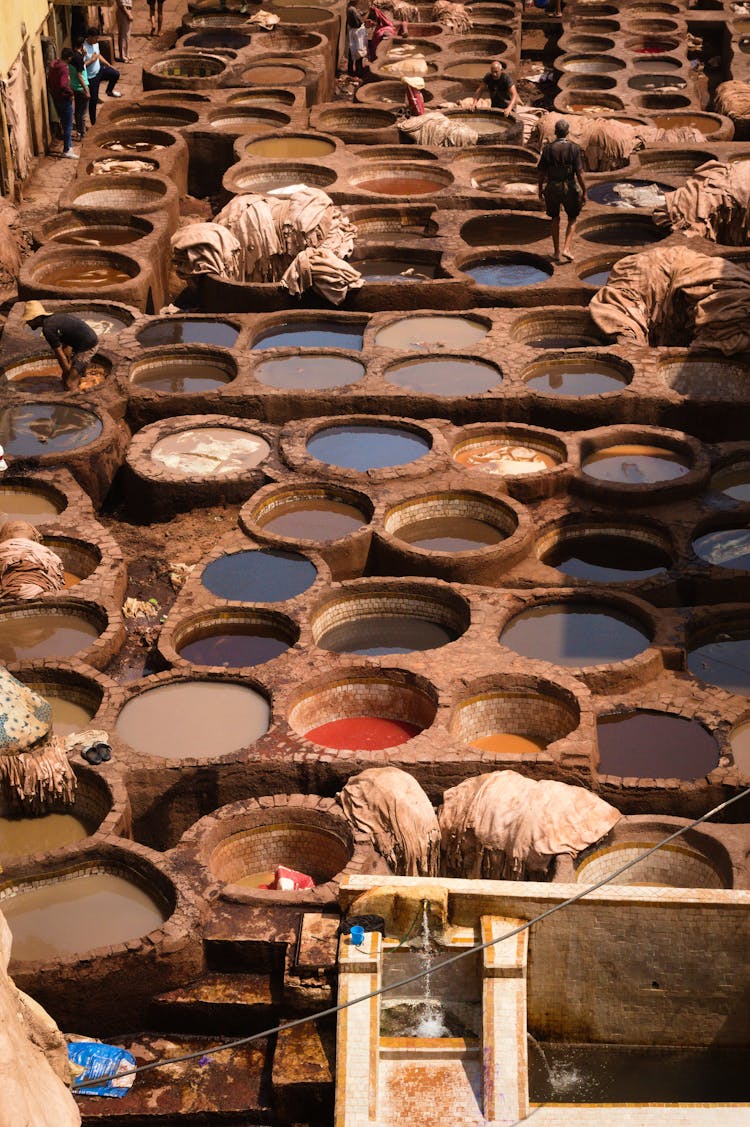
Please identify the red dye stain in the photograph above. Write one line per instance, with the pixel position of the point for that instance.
(363, 732)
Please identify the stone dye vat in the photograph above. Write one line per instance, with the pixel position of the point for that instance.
(516, 718)
(363, 711)
(34, 429)
(215, 451)
(725, 547)
(720, 655)
(510, 453)
(41, 629)
(427, 333)
(364, 447)
(188, 330)
(650, 745)
(374, 621)
(576, 376)
(65, 918)
(194, 371)
(312, 333)
(575, 634)
(34, 505)
(234, 640)
(319, 513)
(193, 719)
(444, 375)
(310, 372)
(635, 464)
(259, 576)
(605, 555)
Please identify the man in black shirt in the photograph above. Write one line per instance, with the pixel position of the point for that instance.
(561, 184)
(70, 338)
(501, 87)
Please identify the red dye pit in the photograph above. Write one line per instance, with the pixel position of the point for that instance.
(366, 733)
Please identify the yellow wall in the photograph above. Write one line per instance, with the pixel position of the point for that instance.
(12, 14)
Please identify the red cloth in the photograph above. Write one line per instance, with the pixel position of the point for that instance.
(298, 880)
(414, 102)
(384, 29)
(58, 80)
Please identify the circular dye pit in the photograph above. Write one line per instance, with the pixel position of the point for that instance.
(648, 194)
(78, 913)
(252, 176)
(363, 713)
(515, 721)
(506, 456)
(373, 622)
(655, 745)
(121, 166)
(183, 374)
(273, 74)
(577, 376)
(444, 375)
(312, 514)
(707, 379)
(589, 64)
(322, 333)
(726, 547)
(451, 522)
(365, 448)
(428, 333)
(732, 480)
(392, 270)
(34, 633)
(739, 741)
(102, 321)
(623, 231)
(290, 147)
(259, 576)
(575, 634)
(250, 856)
(236, 642)
(68, 715)
(673, 866)
(722, 658)
(502, 272)
(188, 330)
(43, 374)
(509, 229)
(100, 235)
(606, 558)
(21, 835)
(21, 503)
(633, 464)
(563, 329)
(194, 719)
(450, 534)
(309, 373)
(33, 429)
(85, 275)
(598, 276)
(210, 451)
(392, 180)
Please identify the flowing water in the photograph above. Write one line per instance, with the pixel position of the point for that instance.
(376, 635)
(574, 634)
(634, 464)
(259, 576)
(363, 733)
(313, 519)
(312, 334)
(72, 916)
(430, 332)
(194, 719)
(44, 634)
(655, 745)
(33, 429)
(576, 377)
(607, 558)
(234, 647)
(367, 447)
(309, 373)
(187, 330)
(450, 534)
(210, 451)
(450, 376)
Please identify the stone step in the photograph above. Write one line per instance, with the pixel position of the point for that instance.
(232, 1088)
(221, 1003)
(303, 1072)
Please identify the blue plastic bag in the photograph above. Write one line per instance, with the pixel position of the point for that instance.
(98, 1061)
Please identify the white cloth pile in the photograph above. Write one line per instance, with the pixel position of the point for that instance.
(296, 237)
(503, 826)
(675, 295)
(390, 806)
(454, 17)
(434, 129)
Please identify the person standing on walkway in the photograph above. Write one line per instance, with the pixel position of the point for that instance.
(70, 338)
(500, 86)
(80, 85)
(561, 184)
(98, 70)
(356, 41)
(61, 92)
(153, 6)
(124, 26)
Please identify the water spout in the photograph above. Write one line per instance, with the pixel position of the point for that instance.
(430, 1020)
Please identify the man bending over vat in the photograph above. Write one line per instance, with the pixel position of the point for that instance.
(561, 184)
(501, 88)
(27, 568)
(70, 338)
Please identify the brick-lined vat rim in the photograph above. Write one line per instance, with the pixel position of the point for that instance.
(577, 527)
(566, 692)
(195, 625)
(99, 615)
(687, 448)
(278, 494)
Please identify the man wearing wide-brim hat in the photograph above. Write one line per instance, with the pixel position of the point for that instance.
(71, 339)
(414, 84)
